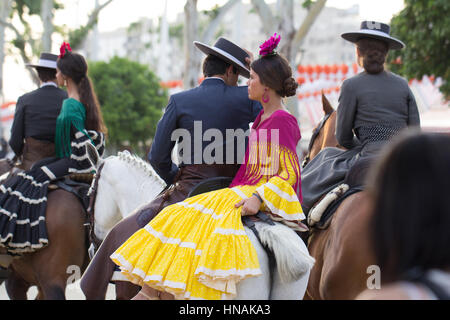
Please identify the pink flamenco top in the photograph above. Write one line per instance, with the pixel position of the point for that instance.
(271, 164)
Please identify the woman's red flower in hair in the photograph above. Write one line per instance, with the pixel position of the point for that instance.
(64, 47)
(269, 46)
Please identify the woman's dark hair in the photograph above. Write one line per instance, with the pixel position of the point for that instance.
(212, 65)
(409, 188)
(274, 71)
(46, 74)
(373, 53)
(74, 66)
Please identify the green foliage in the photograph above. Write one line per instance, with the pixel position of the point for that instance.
(29, 6)
(212, 13)
(424, 26)
(32, 7)
(77, 36)
(307, 4)
(176, 31)
(131, 99)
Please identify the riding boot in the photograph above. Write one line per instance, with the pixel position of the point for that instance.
(97, 276)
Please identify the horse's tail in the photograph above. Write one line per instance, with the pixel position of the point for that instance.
(291, 253)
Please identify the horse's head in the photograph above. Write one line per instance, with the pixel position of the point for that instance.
(122, 183)
(323, 134)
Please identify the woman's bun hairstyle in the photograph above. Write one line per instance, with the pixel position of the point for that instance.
(274, 71)
(290, 87)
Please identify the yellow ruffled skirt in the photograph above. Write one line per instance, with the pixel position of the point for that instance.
(194, 249)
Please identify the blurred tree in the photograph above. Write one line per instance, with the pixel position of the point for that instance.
(77, 36)
(131, 99)
(282, 22)
(424, 26)
(28, 42)
(5, 9)
(192, 33)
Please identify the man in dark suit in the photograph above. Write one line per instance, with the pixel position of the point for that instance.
(216, 104)
(33, 128)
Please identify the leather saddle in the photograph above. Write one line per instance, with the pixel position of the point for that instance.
(319, 216)
(77, 184)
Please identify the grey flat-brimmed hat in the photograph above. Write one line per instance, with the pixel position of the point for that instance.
(376, 30)
(46, 60)
(229, 52)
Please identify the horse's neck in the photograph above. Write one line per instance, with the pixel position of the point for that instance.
(329, 136)
(123, 186)
(136, 187)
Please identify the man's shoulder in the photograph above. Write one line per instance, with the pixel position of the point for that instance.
(201, 91)
(41, 91)
(29, 95)
(184, 93)
(58, 91)
(240, 89)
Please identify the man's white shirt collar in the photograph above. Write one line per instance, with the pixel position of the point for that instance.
(49, 83)
(215, 78)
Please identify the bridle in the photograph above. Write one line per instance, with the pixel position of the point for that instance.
(313, 138)
(93, 239)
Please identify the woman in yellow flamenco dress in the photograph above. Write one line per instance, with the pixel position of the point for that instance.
(198, 248)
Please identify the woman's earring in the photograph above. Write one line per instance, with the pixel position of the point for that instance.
(65, 83)
(264, 98)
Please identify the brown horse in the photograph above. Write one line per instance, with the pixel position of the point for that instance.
(342, 251)
(323, 134)
(64, 257)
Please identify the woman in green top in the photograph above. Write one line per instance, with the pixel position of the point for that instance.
(79, 142)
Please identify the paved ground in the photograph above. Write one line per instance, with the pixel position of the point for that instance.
(73, 292)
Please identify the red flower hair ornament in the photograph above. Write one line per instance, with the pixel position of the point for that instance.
(269, 46)
(65, 47)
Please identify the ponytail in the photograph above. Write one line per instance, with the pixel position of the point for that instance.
(94, 118)
(74, 66)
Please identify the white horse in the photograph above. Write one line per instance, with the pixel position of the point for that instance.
(127, 182)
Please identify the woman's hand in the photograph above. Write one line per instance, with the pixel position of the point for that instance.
(250, 206)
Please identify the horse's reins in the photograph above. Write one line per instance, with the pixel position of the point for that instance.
(91, 209)
(313, 138)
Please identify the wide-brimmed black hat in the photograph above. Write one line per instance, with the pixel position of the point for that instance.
(46, 60)
(375, 30)
(229, 52)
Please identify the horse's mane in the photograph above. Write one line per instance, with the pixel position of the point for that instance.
(137, 162)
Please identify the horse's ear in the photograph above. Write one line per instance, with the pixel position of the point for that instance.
(326, 105)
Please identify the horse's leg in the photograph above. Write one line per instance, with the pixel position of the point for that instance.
(66, 251)
(256, 288)
(349, 253)
(16, 287)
